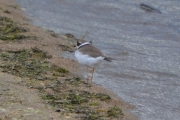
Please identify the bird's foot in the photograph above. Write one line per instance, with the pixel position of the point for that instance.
(89, 79)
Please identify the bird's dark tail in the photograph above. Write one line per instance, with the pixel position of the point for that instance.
(108, 59)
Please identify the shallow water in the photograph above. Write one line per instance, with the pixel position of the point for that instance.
(145, 46)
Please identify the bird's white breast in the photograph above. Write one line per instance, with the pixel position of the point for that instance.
(88, 60)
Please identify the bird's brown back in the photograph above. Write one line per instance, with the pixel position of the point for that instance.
(91, 51)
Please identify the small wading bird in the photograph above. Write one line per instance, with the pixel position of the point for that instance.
(89, 56)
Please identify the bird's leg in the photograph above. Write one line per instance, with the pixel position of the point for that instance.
(87, 69)
(92, 74)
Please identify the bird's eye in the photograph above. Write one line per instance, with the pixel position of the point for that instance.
(78, 43)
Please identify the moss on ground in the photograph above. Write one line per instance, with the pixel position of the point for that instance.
(66, 96)
(9, 30)
(114, 112)
(25, 63)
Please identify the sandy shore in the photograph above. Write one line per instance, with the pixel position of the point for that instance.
(21, 95)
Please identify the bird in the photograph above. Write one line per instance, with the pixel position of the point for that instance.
(90, 56)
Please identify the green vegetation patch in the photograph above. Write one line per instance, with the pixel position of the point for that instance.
(80, 102)
(114, 112)
(9, 30)
(29, 63)
(57, 88)
(94, 104)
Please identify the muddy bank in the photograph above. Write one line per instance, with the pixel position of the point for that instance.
(36, 81)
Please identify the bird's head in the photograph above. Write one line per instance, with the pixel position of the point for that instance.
(80, 42)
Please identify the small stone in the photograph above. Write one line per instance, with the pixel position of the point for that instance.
(58, 110)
